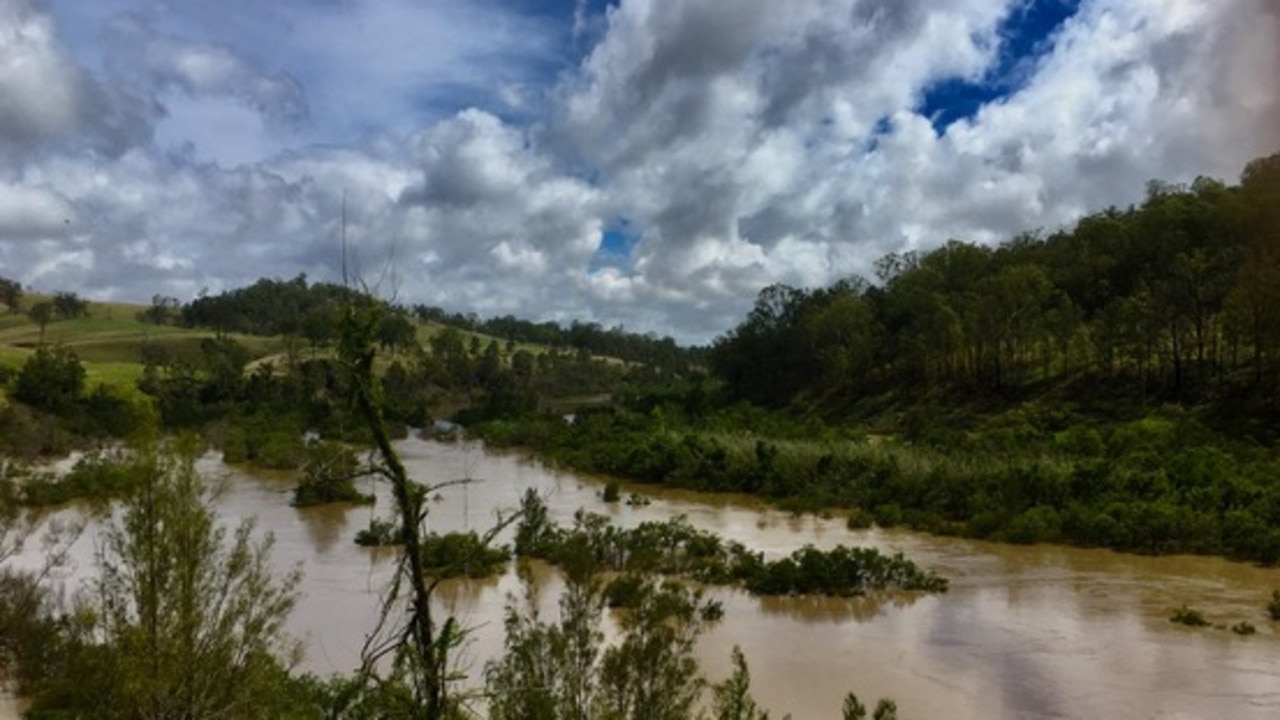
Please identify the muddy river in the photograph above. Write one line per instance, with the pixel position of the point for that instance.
(1024, 632)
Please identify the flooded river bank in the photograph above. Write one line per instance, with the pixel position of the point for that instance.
(1024, 632)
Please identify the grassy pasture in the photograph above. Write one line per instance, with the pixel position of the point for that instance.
(109, 340)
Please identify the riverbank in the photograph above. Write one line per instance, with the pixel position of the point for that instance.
(1024, 631)
(1159, 484)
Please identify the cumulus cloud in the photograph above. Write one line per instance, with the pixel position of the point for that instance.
(198, 69)
(28, 213)
(50, 100)
(793, 150)
(777, 142)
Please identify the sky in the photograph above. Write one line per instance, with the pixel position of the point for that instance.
(649, 163)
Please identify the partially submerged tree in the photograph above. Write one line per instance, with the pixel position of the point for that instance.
(563, 670)
(186, 619)
(419, 646)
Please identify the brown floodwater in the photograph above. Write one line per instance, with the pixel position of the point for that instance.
(1023, 633)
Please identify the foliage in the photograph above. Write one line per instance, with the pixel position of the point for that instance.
(563, 669)
(10, 294)
(462, 554)
(28, 632)
(854, 709)
(1189, 616)
(163, 310)
(51, 379)
(96, 478)
(676, 548)
(1172, 299)
(1273, 605)
(612, 492)
(273, 307)
(274, 443)
(380, 533)
(69, 306)
(185, 619)
(591, 338)
(1244, 627)
(732, 698)
(328, 476)
(26, 433)
(1162, 482)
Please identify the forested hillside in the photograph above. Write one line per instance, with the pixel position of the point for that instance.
(1174, 300)
(1113, 384)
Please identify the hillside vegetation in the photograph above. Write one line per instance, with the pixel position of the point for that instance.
(1115, 384)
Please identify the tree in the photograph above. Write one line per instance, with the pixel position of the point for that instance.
(562, 670)
(396, 332)
(10, 294)
(421, 647)
(188, 619)
(41, 314)
(69, 306)
(51, 379)
(733, 699)
(162, 311)
(855, 710)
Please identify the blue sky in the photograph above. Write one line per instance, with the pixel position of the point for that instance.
(1025, 35)
(653, 163)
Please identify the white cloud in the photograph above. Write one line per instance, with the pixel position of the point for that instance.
(49, 100)
(28, 212)
(776, 142)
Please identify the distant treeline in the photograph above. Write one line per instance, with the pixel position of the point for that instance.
(271, 307)
(1175, 299)
(591, 337)
(296, 308)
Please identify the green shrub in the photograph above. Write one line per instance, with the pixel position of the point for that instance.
(1189, 616)
(95, 478)
(329, 476)
(1244, 628)
(859, 519)
(380, 533)
(1273, 607)
(461, 554)
(1039, 524)
(612, 492)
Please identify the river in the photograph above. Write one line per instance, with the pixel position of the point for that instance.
(1024, 632)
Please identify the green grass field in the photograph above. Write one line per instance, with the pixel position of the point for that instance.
(110, 340)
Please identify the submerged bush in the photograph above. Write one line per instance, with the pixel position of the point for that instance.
(1244, 627)
(462, 554)
(95, 478)
(674, 547)
(1189, 616)
(329, 476)
(380, 533)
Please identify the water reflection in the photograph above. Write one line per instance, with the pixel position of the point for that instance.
(328, 525)
(817, 609)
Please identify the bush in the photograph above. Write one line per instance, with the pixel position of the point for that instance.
(461, 554)
(52, 379)
(1189, 616)
(271, 443)
(1039, 524)
(1244, 628)
(380, 533)
(859, 519)
(96, 478)
(612, 492)
(1273, 607)
(329, 476)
